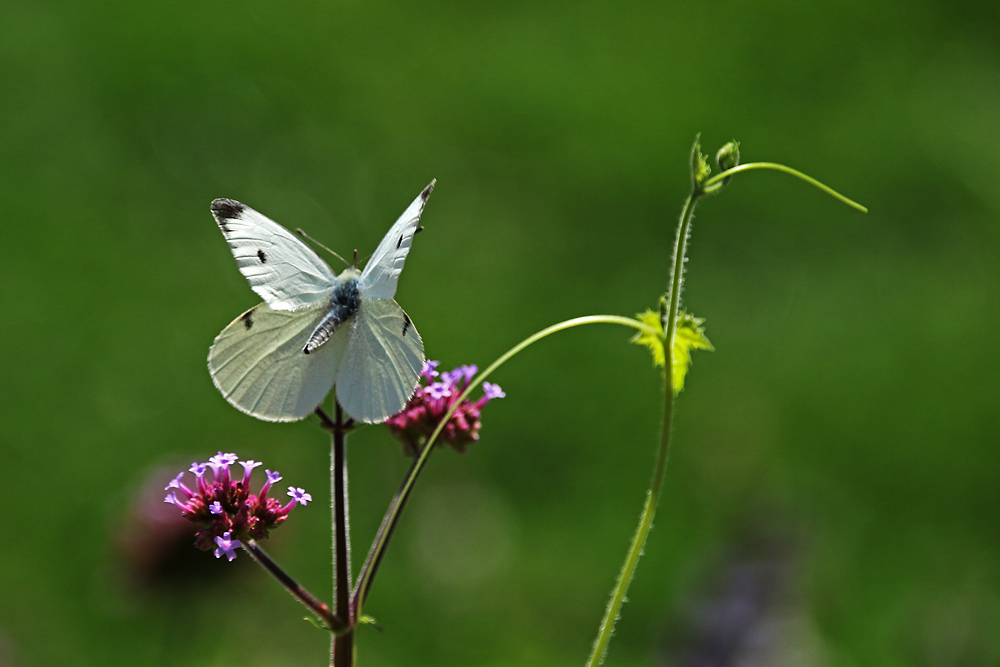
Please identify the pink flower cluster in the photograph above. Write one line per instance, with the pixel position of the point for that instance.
(226, 509)
(435, 395)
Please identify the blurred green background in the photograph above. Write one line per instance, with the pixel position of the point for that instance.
(832, 497)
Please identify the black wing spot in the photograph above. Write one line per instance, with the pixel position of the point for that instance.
(427, 191)
(399, 242)
(261, 256)
(406, 323)
(247, 318)
(227, 208)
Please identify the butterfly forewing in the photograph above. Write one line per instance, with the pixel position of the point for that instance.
(381, 364)
(258, 364)
(283, 270)
(382, 270)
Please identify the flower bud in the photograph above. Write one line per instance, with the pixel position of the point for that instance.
(728, 156)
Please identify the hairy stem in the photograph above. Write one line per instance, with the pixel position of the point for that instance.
(342, 644)
(625, 576)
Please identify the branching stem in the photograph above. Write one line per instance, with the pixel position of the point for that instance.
(709, 186)
(342, 644)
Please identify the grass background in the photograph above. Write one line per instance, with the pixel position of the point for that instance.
(843, 436)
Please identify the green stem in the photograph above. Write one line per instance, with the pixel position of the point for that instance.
(709, 186)
(613, 610)
(718, 178)
(627, 573)
(382, 537)
(676, 284)
(367, 574)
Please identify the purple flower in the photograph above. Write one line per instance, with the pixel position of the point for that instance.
(465, 372)
(227, 546)
(248, 467)
(438, 390)
(432, 399)
(225, 509)
(299, 495)
(176, 483)
(220, 465)
(492, 391)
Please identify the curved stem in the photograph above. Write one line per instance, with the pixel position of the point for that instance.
(399, 501)
(613, 610)
(718, 178)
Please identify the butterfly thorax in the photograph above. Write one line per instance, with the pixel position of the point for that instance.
(343, 304)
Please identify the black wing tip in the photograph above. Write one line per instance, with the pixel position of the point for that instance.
(227, 209)
(427, 191)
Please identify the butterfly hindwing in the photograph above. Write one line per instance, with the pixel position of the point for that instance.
(383, 268)
(283, 270)
(258, 364)
(382, 362)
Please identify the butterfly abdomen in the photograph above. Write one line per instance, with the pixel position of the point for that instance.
(344, 303)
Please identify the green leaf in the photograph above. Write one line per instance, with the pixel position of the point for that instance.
(700, 169)
(654, 342)
(315, 622)
(689, 335)
(369, 620)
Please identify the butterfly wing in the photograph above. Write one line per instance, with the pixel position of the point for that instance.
(381, 364)
(283, 270)
(379, 278)
(258, 364)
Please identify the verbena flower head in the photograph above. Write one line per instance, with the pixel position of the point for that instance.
(224, 507)
(435, 395)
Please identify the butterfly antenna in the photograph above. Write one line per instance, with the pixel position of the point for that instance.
(302, 233)
(356, 257)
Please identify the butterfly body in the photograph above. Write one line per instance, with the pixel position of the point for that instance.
(344, 303)
(279, 360)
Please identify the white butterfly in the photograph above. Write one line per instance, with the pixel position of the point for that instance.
(279, 360)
